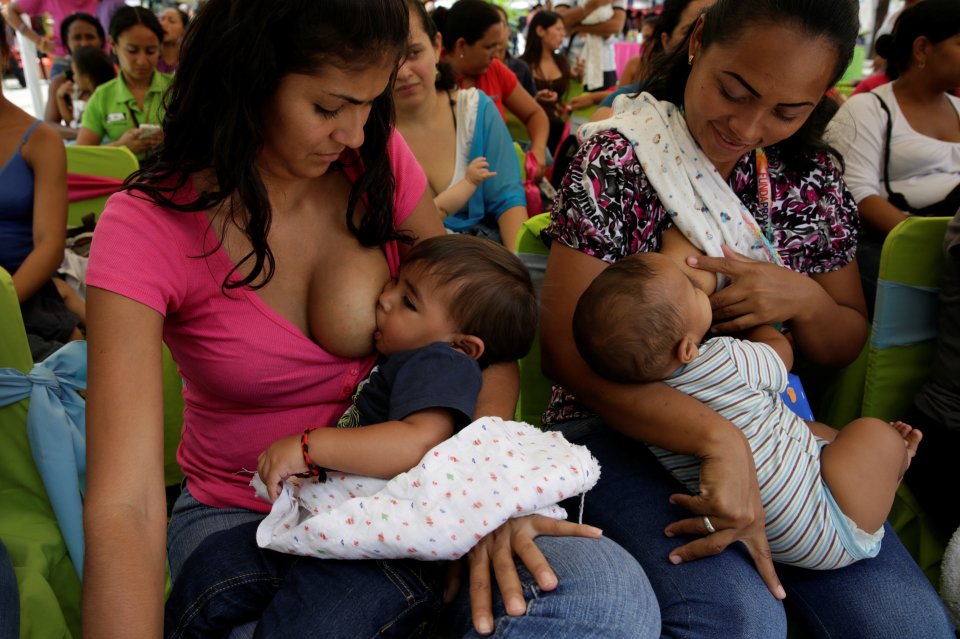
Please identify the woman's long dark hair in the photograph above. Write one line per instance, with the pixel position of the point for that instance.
(935, 20)
(233, 57)
(94, 63)
(835, 20)
(127, 17)
(534, 49)
(467, 19)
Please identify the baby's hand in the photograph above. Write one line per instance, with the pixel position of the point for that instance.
(65, 89)
(477, 171)
(282, 459)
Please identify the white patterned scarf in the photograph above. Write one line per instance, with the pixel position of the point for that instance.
(698, 200)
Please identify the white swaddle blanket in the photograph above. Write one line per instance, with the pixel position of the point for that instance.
(594, 48)
(698, 200)
(462, 489)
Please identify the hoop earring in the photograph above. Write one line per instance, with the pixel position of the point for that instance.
(921, 64)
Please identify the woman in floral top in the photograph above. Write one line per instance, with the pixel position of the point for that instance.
(736, 96)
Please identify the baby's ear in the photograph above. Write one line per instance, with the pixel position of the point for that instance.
(687, 350)
(469, 345)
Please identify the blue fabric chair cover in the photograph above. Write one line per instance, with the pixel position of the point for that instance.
(57, 434)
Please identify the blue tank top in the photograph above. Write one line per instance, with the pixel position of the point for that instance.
(16, 208)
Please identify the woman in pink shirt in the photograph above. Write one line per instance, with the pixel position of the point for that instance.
(255, 243)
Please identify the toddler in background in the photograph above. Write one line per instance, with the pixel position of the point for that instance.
(90, 67)
(825, 493)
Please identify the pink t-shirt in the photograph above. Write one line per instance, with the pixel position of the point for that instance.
(250, 376)
(58, 10)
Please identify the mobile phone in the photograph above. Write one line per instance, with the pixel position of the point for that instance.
(149, 129)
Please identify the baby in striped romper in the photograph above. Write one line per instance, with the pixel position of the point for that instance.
(825, 493)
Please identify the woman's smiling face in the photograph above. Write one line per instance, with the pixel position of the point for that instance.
(745, 94)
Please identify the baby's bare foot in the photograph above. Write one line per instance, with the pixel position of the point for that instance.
(911, 437)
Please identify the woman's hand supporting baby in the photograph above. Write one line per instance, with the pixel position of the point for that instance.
(825, 311)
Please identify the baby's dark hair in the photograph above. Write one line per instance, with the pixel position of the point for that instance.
(491, 297)
(625, 326)
(95, 63)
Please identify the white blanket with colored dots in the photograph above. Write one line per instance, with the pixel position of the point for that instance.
(463, 488)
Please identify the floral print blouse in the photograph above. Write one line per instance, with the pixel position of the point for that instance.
(606, 208)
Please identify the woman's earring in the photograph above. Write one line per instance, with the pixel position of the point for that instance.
(921, 64)
(690, 59)
(461, 55)
(437, 78)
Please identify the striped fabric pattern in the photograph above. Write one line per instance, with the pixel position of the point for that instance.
(742, 381)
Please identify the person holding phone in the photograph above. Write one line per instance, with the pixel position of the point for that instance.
(128, 110)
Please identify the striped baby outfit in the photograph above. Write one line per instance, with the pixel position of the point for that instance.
(742, 381)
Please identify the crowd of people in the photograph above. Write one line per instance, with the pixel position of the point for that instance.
(295, 235)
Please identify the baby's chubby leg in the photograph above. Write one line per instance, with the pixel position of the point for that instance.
(863, 466)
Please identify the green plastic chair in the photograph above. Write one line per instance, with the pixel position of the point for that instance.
(903, 337)
(534, 386)
(172, 418)
(48, 584)
(854, 72)
(900, 351)
(102, 161)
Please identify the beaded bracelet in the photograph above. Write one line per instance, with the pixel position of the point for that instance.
(315, 471)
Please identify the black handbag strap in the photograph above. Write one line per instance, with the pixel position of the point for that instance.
(894, 198)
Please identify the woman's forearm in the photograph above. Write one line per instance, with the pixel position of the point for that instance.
(538, 127)
(124, 569)
(500, 390)
(831, 335)
(509, 224)
(832, 326)
(879, 215)
(38, 268)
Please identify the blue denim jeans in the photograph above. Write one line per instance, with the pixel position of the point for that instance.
(723, 596)
(229, 581)
(9, 599)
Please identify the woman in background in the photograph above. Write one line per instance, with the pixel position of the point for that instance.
(128, 110)
(901, 142)
(675, 20)
(33, 223)
(448, 129)
(551, 71)
(174, 23)
(90, 67)
(77, 30)
(471, 34)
